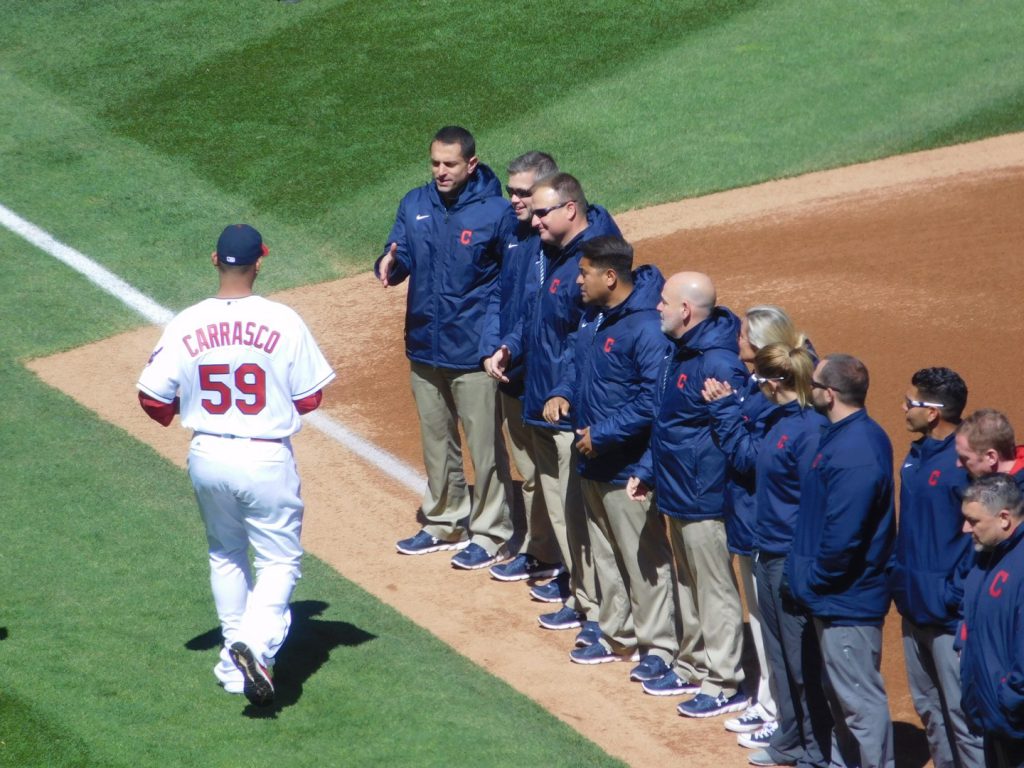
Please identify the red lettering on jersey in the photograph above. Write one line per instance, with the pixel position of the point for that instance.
(608, 344)
(236, 333)
(681, 381)
(225, 334)
(817, 460)
(467, 236)
(271, 342)
(933, 478)
(258, 343)
(213, 334)
(201, 341)
(782, 442)
(249, 333)
(996, 587)
(187, 341)
(554, 285)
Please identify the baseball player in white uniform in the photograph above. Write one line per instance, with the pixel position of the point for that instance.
(240, 369)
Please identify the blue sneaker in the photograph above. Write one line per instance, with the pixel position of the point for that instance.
(473, 557)
(669, 685)
(565, 618)
(596, 653)
(589, 635)
(703, 705)
(423, 543)
(651, 668)
(555, 591)
(523, 567)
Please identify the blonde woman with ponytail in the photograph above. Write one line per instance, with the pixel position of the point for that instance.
(778, 447)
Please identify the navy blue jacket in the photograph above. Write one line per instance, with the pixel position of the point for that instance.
(932, 552)
(738, 423)
(517, 288)
(617, 358)
(846, 526)
(992, 640)
(776, 449)
(452, 257)
(684, 463)
(546, 334)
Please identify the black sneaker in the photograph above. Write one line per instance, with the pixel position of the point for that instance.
(258, 687)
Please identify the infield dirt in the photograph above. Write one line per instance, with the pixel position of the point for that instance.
(905, 262)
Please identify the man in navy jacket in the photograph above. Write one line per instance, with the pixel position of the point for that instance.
(687, 470)
(544, 341)
(538, 557)
(843, 540)
(992, 632)
(447, 239)
(931, 559)
(618, 353)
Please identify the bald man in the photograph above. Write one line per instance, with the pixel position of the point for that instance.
(686, 469)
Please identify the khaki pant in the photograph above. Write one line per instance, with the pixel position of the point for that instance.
(444, 397)
(540, 537)
(560, 484)
(633, 563)
(709, 607)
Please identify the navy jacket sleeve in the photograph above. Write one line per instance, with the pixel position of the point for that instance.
(734, 436)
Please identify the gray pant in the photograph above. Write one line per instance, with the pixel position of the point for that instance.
(539, 540)
(791, 647)
(444, 397)
(560, 484)
(862, 734)
(711, 648)
(933, 671)
(634, 568)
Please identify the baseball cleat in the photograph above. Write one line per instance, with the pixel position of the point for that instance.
(258, 687)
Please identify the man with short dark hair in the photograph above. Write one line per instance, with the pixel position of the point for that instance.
(992, 633)
(844, 537)
(686, 468)
(985, 445)
(538, 556)
(618, 353)
(447, 239)
(930, 561)
(544, 340)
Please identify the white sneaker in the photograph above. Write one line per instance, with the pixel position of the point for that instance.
(753, 718)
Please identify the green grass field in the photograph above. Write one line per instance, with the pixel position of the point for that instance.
(135, 131)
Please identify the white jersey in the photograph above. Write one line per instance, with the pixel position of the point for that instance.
(237, 365)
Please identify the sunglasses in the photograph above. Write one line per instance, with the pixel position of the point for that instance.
(520, 193)
(759, 380)
(819, 385)
(921, 404)
(540, 213)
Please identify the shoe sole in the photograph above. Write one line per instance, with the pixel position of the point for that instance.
(445, 546)
(539, 599)
(675, 692)
(536, 575)
(715, 713)
(601, 660)
(466, 567)
(559, 626)
(743, 728)
(258, 688)
(642, 678)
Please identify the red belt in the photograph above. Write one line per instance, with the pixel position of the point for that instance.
(239, 437)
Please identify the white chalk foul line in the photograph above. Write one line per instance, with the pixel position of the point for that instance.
(107, 281)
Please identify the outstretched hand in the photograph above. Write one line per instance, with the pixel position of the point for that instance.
(387, 261)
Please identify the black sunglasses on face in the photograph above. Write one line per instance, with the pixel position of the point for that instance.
(540, 213)
(520, 193)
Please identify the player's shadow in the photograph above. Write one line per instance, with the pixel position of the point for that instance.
(309, 645)
(910, 745)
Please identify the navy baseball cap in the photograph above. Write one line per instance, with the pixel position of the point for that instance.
(240, 244)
